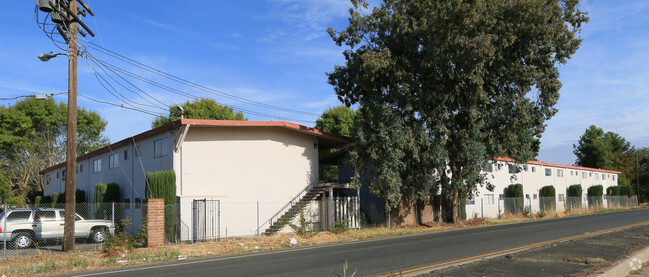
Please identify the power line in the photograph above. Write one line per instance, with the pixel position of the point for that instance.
(192, 84)
(121, 106)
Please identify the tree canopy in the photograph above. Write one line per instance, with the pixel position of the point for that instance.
(33, 137)
(337, 120)
(465, 81)
(199, 109)
(599, 149)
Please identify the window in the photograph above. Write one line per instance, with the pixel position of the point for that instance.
(500, 166)
(525, 168)
(596, 176)
(127, 153)
(58, 175)
(559, 172)
(613, 177)
(535, 196)
(512, 168)
(79, 168)
(488, 167)
(19, 215)
(45, 216)
(160, 148)
(63, 175)
(113, 161)
(96, 166)
(127, 203)
(590, 174)
(501, 196)
(62, 216)
(583, 175)
(571, 172)
(138, 203)
(561, 198)
(488, 199)
(603, 176)
(548, 172)
(533, 169)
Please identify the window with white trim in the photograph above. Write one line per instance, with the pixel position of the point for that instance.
(548, 172)
(161, 147)
(489, 199)
(559, 172)
(113, 161)
(96, 166)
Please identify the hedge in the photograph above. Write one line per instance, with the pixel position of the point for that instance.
(514, 191)
(595, 191)
(105, 193)
(548, 198)
(548, 191)
(162, 184)
(575, 190)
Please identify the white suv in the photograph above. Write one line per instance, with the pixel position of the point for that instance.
(25, 225)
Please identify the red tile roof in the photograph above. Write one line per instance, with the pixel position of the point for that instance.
(502, 159)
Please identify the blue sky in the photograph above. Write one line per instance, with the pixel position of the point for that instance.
(277, 52)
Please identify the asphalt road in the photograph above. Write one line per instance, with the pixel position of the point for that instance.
(378, 257)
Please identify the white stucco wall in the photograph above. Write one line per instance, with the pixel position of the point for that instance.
(533, 179)
(240, 166)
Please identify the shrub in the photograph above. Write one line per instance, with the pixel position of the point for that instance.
(547, 191)
(105, 193)
(595, 191)
(162, 184)
(613, 191)
(547, 200)
(625, 191)
(340, 226)
(575, 190)
(516, 201)
(302, 227)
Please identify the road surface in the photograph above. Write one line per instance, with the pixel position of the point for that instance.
(391, 255)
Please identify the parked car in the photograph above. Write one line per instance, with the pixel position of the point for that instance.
(23, 226)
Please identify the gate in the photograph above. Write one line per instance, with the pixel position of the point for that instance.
(206, 218)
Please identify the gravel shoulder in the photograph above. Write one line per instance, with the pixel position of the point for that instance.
(586, 256)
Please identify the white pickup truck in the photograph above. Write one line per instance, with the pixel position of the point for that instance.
(23, 226)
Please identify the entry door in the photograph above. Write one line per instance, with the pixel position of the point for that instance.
(199, 214)
(46, 225)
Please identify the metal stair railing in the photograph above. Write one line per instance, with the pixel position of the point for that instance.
(296, 199)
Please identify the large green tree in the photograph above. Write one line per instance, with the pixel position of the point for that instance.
(33, 137)
(599, 149)
(199, 109)
(465, 80)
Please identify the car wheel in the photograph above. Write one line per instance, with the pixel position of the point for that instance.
(98, 235)
(22, 240)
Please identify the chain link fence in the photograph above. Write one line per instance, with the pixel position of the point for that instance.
(35, 229)
(488, 207)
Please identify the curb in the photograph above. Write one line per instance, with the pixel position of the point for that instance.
(632, 263)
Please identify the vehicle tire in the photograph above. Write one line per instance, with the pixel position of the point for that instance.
(98, 235)
(23, 240)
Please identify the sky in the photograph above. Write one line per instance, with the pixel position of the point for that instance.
(276, 53)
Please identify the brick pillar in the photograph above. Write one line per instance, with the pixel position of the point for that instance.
(154, 212)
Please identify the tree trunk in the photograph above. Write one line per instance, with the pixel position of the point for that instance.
(449, 206)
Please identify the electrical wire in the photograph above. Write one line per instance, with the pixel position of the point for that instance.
(189, 83)
(121, 106)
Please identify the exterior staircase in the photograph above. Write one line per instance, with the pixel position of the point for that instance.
(294, 207)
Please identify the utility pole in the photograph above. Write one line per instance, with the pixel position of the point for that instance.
(71, 153)
(65, 13)
(637, 178)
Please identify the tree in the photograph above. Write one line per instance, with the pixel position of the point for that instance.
(338, 120)
(199, 109)
(597, 149)
(467, 80)
(33, 136)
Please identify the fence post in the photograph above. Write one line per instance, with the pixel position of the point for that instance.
(218, 212)
(597, 204)
(113, 213)
(481, 208)
(257, 218)
(4, 248)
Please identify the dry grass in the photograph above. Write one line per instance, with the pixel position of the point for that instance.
(45, 264)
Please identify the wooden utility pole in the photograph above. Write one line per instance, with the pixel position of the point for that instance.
(71, 154)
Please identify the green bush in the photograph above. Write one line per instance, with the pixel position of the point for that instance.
(595, 191)
(625, 191)
(547, 200)
(613, 191)
(547, 191)
(340, 226)
(575, 190)
(105, 193)
(162, 184)
(516, 201)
